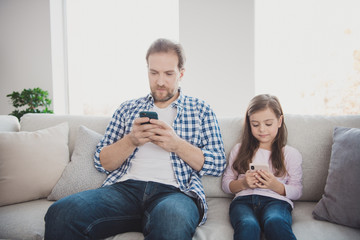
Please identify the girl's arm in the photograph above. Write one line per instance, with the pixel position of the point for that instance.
(230, 174)
(248, 181)
(293, 187)
(231, 182)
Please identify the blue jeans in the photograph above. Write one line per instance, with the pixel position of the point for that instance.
(250, 215)
(159, 211)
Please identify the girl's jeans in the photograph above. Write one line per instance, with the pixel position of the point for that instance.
(249, 215)
(159, 211)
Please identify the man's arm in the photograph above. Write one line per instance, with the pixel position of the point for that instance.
(207, 160)
(213, 146)
(114, 155)
(190, 154)
(165, 137)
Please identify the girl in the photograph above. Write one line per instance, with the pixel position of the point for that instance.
(263, 198)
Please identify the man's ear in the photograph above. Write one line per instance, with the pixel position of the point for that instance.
(182, 71)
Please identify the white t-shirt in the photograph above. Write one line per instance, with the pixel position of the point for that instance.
(151, 162)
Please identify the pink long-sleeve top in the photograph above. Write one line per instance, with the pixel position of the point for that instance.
(292, 181)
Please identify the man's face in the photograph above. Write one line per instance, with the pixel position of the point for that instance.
(164, 77)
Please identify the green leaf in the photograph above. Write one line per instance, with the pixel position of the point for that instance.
(33, 100)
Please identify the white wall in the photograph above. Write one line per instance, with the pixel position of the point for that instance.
(25, 52)
(218, 38)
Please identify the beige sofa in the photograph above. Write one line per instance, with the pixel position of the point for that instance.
(311, 135)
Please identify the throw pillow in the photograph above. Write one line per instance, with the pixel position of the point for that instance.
(80, 174)
(340, 201)
(31, 163)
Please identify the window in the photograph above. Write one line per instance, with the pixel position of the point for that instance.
(107, 42)
(308, 54)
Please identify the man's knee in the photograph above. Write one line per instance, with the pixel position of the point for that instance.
(65, 212)
(175, 219)
(56, 222)
(54, 212)
(173, 213)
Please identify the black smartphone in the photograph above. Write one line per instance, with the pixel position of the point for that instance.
(149, 114)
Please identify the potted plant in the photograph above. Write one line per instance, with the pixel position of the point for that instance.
(33, 100)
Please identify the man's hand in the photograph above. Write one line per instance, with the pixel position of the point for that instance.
(163, 135)
(114, 155)
(142, 133)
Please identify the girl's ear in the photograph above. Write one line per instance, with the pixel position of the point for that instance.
(280, 121)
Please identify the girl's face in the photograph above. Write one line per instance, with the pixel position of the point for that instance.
(264, 127)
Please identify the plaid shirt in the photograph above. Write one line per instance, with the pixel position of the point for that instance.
(195, 122)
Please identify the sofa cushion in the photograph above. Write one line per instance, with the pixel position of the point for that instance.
(218, 225)
(80, 174)
(37, 121)
(306, 227)
(230, 130)
(9, 123)
(312, 135)
(340, 201)
(31, 163)
(24, 220)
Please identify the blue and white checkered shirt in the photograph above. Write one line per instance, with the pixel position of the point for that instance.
(195, 122)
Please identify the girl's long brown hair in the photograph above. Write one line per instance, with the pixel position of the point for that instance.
(249, 144)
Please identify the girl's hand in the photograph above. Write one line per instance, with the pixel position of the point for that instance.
(251, 180)
(267, 180)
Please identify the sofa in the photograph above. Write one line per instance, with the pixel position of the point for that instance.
(23, 218)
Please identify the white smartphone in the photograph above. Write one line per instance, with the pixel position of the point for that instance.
(258, 166)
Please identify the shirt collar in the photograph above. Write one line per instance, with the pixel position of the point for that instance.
(179, 102)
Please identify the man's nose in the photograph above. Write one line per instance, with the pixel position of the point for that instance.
(161, 80)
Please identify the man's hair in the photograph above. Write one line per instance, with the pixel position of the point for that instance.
(162, 45)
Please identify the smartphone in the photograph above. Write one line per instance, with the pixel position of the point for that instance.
(258, 166)
(151, 115)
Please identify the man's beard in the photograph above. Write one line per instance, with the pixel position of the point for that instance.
(160, 98)
(168, 96)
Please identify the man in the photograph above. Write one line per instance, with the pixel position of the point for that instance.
(154, 170)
